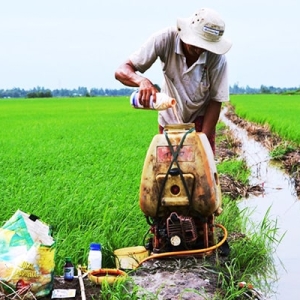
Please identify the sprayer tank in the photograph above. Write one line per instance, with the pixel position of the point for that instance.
(179, 174)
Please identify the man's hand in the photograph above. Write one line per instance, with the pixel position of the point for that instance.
(146, 90)
(126, 74)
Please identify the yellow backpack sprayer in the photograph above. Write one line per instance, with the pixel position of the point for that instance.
(180, 196)
(180, 193)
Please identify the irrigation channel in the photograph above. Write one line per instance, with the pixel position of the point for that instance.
(280, 197)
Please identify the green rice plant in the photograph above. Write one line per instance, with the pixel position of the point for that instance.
(76, 163)
(252, 254)
(251, 257)
(118, 291)
(229, 289)
(279, 112)
(219, 128)
(126, 290)
(282, 149)
(222, 136)
(230, 217)
(236, 168)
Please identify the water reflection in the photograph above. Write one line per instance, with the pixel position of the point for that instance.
(280, 197)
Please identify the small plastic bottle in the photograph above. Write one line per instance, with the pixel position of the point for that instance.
(95, 257)
(68, 270)
(163, 101)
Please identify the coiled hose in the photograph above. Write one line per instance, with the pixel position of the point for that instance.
(188, 252)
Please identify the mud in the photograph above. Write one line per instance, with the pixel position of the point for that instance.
(186, 278)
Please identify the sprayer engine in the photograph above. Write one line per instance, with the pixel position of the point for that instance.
(180, 193)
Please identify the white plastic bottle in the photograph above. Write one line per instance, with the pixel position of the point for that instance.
(163, 101)
(95, 257)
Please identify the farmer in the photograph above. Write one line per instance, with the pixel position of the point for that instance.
(194, 69)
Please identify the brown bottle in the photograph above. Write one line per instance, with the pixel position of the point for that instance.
(68, 270)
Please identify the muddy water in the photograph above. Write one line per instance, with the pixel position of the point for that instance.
(280, 197)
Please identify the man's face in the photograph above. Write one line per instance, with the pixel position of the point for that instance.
(193, 50)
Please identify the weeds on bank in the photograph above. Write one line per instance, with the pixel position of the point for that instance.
(223, 135)
(126, 290)
(118, 291)
(282, 149)
(251, 257)
(236, 168)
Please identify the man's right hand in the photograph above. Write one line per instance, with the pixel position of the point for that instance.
(146, 90)
(126, 74)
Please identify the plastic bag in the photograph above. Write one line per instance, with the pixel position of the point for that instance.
(26, 257)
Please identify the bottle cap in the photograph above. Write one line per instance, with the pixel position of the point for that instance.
(68, 258)
(95, 246)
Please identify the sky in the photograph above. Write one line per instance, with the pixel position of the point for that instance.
(70, 43)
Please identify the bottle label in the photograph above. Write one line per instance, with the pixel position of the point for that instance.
(94, 260)
(163, 101)
(69, 272)
(134, 101)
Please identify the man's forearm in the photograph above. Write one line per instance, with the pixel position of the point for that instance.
(211, 117)
(127, 75)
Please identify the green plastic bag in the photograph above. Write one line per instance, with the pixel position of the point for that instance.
(26, 257)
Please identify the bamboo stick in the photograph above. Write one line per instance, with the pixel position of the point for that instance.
(80, 278)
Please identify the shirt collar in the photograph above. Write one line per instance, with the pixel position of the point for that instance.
(179, 50)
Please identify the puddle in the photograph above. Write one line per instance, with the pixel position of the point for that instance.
(280, 197)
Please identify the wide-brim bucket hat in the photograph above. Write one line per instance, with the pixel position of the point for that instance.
(204, 29)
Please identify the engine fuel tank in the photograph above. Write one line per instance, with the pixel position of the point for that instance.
(180, 175)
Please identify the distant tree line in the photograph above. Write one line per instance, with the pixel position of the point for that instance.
(236, 89)
(41, 92)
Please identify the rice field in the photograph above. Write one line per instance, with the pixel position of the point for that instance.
(280, 112)
(76, 163)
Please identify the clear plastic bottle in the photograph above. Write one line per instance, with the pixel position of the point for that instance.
(163, 101)
(68, 270)
(95, 257)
